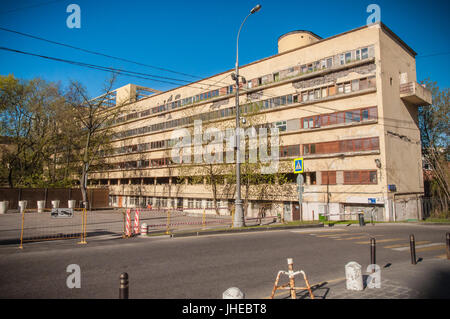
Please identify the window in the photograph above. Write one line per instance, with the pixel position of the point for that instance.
(371, 81)
(329, 178)
(348, 57)
(340, 88)
(308, 122)
(309, 149)
(358, 54)
(305, 96)
(364, 53)
(360, 177)
(313, 178)
(304, 69)
(341, 59)
(348, 117)
(324, 92)
(365, 115)
(329, 62)
(347, 87)
(355, 85)
(317, 94)
(276, 77)
(281, 126)
(363, 84)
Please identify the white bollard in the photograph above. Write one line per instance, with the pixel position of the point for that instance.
(72, 203)
(353, 275)
(41, 206)
(3, 207)
(144, 229)
(233, 293)
(22, 205)
(55, 203)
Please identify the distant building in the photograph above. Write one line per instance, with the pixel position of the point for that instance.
(347, 104)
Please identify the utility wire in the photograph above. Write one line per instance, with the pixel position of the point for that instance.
(98, 53)
(146, 76)
(29, 7)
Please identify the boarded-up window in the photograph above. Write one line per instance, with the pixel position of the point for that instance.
(360, 177)
(331, 90)
(329, 178)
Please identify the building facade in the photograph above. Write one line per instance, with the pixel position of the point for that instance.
(346, 104)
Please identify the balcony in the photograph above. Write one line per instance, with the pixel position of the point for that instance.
(415, 94)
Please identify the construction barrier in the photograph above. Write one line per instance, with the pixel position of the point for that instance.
(54, 224)
(44, 224)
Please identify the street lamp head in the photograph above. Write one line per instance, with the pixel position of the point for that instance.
(255, 9)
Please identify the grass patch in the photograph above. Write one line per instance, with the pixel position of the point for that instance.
(436, 220)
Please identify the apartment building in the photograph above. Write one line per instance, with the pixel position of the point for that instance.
(347, 104)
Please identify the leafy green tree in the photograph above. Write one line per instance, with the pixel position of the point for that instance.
(434, 130)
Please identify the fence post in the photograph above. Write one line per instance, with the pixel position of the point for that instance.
(168, 222)
(83, 227)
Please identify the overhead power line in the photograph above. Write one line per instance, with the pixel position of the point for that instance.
(29, 7)
(146, 76)
(98, 53)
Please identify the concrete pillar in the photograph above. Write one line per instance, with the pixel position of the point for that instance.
(3, 207)
(22, 205)
(55, 203)
(353, 275)
(41, 206)
(71, 203)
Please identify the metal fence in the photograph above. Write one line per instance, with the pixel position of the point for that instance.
(87, 225)
(98, 197)
(432, 207)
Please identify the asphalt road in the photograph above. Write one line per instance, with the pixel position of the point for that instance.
(205, 266)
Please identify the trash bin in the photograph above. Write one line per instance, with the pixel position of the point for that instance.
(322, 217)
(361, 219)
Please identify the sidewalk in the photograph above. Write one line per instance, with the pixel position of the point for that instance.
(429, 279)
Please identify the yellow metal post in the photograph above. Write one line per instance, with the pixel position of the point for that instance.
(204, 218)
(168, 222)
(83, 227)
(232, 216)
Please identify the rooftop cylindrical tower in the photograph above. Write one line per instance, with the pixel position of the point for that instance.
(296, 39)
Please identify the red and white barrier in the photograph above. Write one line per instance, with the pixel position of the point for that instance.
(136, 222)
(128, 224)
(144, 229)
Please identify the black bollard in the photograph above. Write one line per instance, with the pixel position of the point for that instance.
(448, 245)
(372, 252)
(412, 245)
(123, 290)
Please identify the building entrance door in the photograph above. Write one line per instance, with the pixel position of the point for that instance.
(296, 211)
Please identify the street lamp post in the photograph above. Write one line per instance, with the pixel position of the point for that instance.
(239, 214)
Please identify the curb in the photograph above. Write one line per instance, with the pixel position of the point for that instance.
(245, 230)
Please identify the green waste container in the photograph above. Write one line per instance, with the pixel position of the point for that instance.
(322, 218)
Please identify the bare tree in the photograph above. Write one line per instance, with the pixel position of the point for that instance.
(94, 119)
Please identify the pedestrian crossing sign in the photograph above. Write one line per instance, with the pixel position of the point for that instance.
(298, 165)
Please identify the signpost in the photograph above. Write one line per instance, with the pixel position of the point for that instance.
(298, 169)
(298, 165)
(62, 213)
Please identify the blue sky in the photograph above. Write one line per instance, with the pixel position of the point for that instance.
(199, 37)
